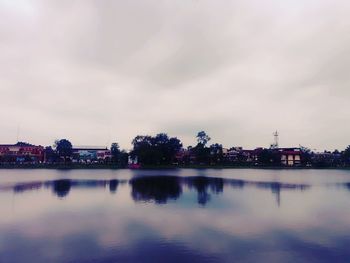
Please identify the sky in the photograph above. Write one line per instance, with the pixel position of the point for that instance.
(101, 71)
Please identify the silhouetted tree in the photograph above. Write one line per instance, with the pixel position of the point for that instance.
(155, 150)
(306, 155)
(123, 159)
(142, 148)
(64, 149)
(202, 152)
(166, 147)
(202, 138)
(115, 151)
(346, 155)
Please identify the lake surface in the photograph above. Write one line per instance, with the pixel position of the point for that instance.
(186, 215)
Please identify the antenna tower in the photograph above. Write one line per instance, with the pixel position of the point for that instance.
(275, 143)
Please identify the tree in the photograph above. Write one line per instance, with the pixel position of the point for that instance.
(202, 152)
(173, 147)
(166, 147)
(123, 159)
(50, 155)
(142, 149)
(64, 149)
(156, 150)
(202, 138)
(346, 155)
(115, 151)
(306, 155)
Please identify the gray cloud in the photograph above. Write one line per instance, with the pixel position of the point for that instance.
(100, 71)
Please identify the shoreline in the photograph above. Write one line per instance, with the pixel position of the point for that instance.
(158, 167)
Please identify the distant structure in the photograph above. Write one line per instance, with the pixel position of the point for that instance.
(91, 154)
(275, 143)
(21, 152)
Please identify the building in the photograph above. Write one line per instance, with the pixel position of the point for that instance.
(251, 156)
(225, 152)
(87, 154)
(21, 152)
(290, 156)
(185, 156)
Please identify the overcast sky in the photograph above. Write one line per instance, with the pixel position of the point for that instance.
(102, 71)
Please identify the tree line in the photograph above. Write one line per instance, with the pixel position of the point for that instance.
(163, 150)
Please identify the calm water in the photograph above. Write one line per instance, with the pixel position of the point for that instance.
(175, 216)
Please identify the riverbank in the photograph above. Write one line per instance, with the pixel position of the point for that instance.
(155, 167)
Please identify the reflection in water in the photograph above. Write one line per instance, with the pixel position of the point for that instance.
(162, 188)
(156, 188)
(159, 189)
(19, 188)
(208, 219)
(276, 188)
(113, 185)
(203, 185)
(61, 187)
(346, 185)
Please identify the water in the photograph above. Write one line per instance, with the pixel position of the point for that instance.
(239, 215)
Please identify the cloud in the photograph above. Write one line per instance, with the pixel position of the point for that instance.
(96, 72)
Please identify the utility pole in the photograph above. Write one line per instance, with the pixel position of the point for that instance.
(17, 133)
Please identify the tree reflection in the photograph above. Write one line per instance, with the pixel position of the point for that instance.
(160, 189)
(204, 185)
(61, 187)
(155, 188)
(113, 185)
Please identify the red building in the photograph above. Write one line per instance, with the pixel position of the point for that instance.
(290, 156)
(21, 152)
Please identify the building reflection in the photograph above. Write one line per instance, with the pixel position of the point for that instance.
(20, 188)
(277, 187)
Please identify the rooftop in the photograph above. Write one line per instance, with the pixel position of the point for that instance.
(86, 148)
